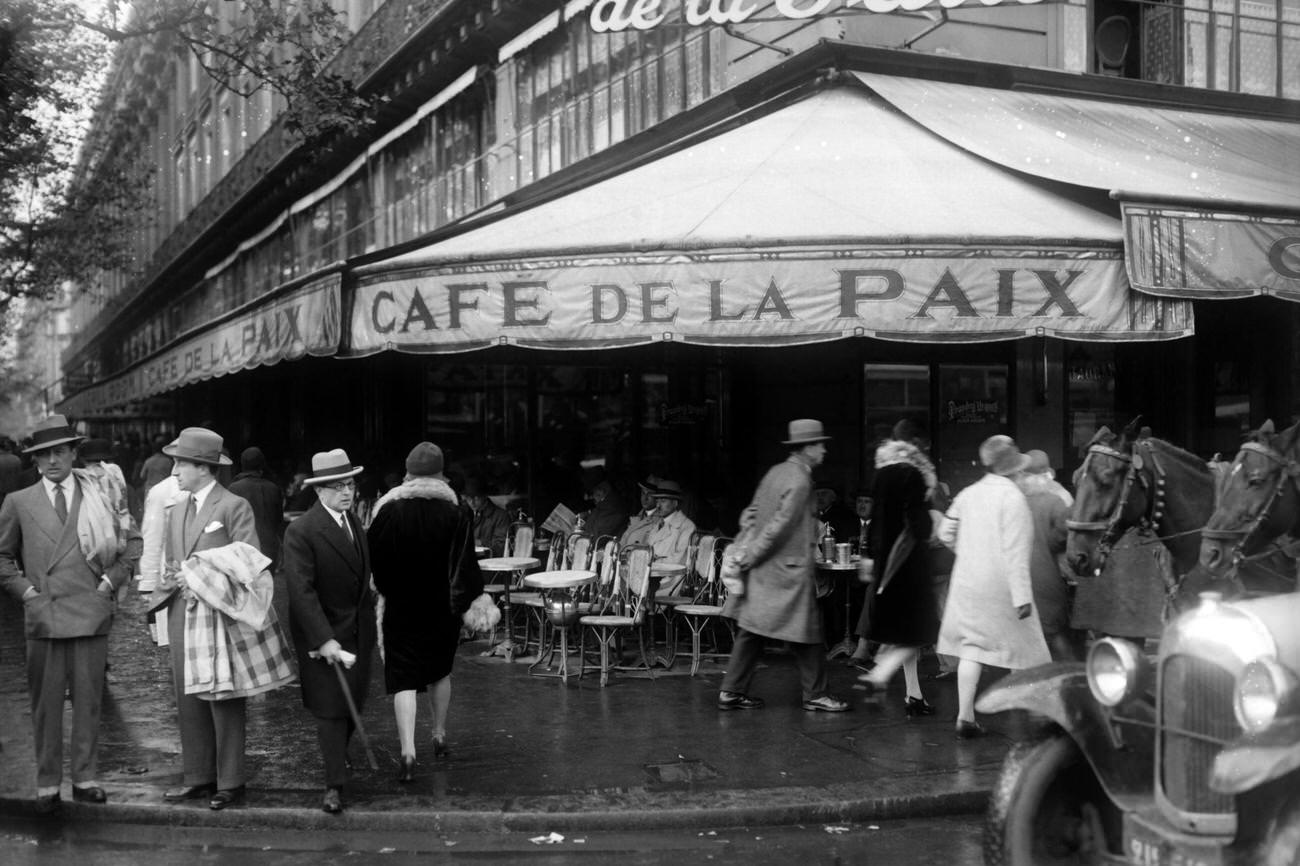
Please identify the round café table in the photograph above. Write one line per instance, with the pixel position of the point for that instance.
(842, 570)
(558, 587)
(510, 567)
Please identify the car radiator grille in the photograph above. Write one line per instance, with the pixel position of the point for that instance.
(1196, 721)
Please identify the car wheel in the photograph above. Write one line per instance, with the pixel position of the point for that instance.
(1282, 847)
(1048, 808)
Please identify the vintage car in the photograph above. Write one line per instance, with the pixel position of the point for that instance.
(1191, 758)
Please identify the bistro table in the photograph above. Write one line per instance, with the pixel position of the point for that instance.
(559, 600)
(658, 571)
(842, 570)
(509, 567)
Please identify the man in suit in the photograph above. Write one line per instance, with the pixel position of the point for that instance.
(331, 611)
(63, 553)
(212, 731)
(776, 546)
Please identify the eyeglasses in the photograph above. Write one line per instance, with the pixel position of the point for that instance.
(341, 486)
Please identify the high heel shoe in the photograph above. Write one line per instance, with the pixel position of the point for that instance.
(406, 771)
(968, 730)
(918, 707)
(440, 749)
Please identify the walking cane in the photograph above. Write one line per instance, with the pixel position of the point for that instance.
(356, 717)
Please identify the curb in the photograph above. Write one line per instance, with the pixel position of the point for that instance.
(795, 806)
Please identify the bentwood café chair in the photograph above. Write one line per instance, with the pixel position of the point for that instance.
(624, 610)
(704, 614)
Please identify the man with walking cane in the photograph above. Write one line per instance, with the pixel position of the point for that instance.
(326, 566)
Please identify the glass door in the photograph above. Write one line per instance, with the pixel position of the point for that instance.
(973, 405)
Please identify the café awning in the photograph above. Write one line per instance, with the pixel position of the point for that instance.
(1210, 202)
(300, 321)
(825, 218)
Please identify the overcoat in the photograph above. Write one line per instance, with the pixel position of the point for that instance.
(1051, 592)
(328, 579)
(990, 527)
(906, 612)
(264, 497)
(780, 599)
(36, 550)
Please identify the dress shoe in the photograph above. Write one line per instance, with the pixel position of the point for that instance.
(735, 701)
(49, 806)
(190, 792)
(918, 707)
(440, 749)
(968, 730)
(826, 704)
(226, 797)
(89, 794)
(333, 801)
(406, 770)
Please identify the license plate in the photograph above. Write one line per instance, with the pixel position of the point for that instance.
(1148, 849)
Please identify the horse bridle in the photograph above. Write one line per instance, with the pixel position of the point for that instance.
(1110, 528)
(1290, 471)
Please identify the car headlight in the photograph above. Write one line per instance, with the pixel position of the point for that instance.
(1117, 670)
(1265, 690)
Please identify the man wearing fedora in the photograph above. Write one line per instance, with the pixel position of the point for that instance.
(64, 554)
(212, 731)
(641, 524)
(776, 547)
(331, 611)
(671, 537)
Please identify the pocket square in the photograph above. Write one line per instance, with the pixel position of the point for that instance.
(213, 526)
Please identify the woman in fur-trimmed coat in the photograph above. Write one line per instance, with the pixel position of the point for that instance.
(423, 562)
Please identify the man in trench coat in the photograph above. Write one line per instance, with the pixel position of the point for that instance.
(776, 548)
(331, 611)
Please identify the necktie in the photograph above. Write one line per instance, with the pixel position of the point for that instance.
(190, 510)
(60, 503)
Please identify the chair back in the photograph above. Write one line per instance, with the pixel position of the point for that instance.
(706, 548)
(579, 552)
(712, 590)
(633, 581)
(520, 540)
(555, 552)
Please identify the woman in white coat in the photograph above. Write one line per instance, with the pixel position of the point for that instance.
(989, 618)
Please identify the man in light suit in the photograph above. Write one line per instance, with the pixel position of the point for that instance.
(212, 731)
(776, 546)
(331, 611)
(65, 557)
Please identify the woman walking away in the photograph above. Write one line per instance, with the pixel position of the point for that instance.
(989, 618)
(905, 616)
(422, 558)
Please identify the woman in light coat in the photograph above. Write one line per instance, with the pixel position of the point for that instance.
(989, 618)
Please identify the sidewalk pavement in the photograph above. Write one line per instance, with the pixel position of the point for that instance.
(529, 753)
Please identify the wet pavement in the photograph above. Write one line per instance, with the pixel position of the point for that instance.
(532, 754)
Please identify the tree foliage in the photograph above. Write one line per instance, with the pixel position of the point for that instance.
(66, 213)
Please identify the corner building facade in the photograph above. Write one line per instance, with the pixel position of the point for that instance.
(567, 244)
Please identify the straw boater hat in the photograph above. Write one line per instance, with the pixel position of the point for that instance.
(806, 431)
(197, 445)
(999, 455)
(327, 466)
(53, 431)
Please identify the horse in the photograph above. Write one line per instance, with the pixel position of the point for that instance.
(1249, 542)
(1141, 482)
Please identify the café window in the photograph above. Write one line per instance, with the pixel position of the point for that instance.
(1090, 397)
(1242, 46)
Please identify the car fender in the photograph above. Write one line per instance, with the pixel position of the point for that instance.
(1119, 742)
(1255, 758)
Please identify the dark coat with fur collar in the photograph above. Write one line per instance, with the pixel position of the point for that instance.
(418, 534)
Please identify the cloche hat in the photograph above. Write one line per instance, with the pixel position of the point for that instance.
(805, 431)
(198, 445)
(424, 460)
(53, 431)
(331, 466)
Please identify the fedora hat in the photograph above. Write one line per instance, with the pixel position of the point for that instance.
(668, 490)
(95, 449)
(198, 445)
(650, 485)
(805, 431)
(53, 431)
(331, 466)
(999, 455)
